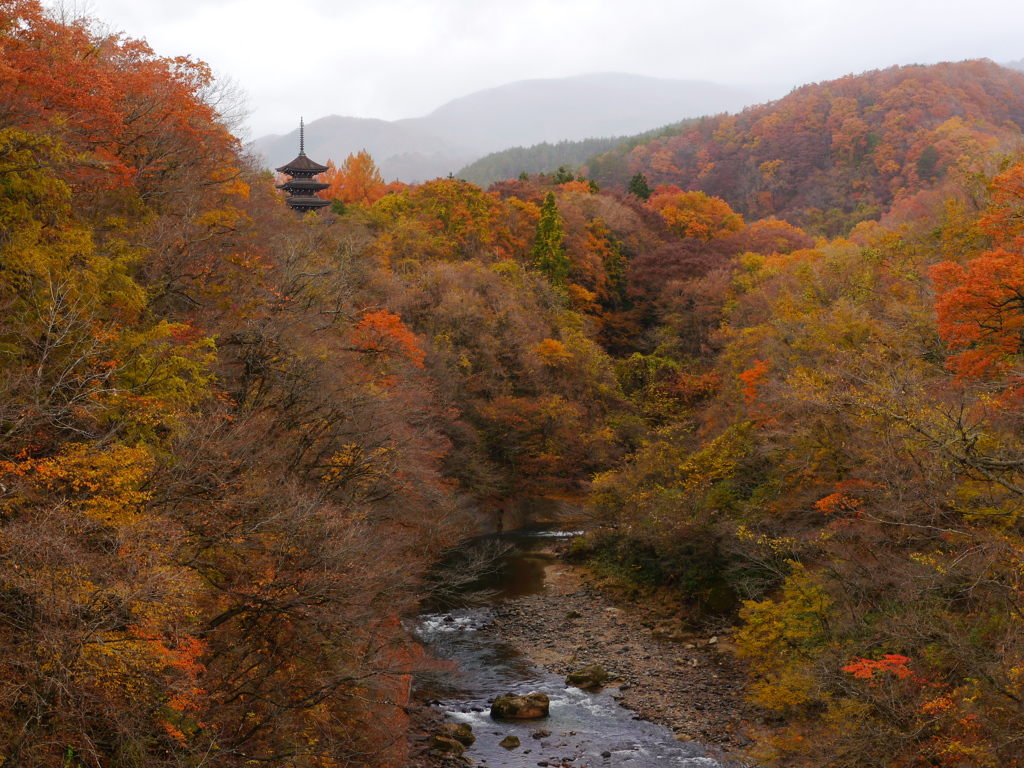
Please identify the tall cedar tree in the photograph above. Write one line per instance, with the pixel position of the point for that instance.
(548, 252)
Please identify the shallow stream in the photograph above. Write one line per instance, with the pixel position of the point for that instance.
(587, 729)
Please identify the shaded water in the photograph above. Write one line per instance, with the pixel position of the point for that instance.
(585, 726)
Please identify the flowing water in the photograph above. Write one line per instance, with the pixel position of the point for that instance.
(587, 729)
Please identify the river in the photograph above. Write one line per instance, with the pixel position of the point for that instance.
(587, 729)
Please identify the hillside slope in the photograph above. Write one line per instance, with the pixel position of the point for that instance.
(546, 157)
(832, 152)
(538, 158)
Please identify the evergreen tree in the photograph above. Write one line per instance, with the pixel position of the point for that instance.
(548, 252)
(563, 175)
(927, 164)
(638, 186)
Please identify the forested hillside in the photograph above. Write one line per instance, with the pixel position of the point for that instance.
(233, 441)
(539, 158)
(215, 478)
(831, 154)
(546, 158)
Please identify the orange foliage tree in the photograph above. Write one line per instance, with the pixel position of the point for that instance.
(980, 304)
(357, 181)
(981, 312)
(137, 117)
(695, 214)
(382, 333)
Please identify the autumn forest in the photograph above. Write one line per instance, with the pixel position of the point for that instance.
(777, 353)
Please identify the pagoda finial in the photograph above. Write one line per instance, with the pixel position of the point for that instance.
(302, 138)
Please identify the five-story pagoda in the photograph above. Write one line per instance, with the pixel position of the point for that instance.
(301, 187)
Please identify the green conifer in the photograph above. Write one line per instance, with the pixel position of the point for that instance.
(548, 252)
(638, 186)
(563, 175)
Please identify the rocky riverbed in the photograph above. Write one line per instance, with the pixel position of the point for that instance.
(689, 681)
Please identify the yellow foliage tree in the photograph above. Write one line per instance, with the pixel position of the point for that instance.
(783, 638)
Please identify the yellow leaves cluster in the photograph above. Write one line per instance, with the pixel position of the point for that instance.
(668, 484)
(783, 637)
(775, 544)
(104, 484)
(716, 461)
(769, 168)
(552, 352)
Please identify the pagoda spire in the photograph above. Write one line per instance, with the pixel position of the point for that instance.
(301, 186)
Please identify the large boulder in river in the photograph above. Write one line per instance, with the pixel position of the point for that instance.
(589, 677)
(528, 707)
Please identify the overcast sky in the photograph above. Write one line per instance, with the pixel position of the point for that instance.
(403, 58)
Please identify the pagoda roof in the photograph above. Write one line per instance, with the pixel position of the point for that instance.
(306, 202)
(302, 184)
(302, 164)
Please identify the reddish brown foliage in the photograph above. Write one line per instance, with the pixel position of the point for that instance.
(828, 148)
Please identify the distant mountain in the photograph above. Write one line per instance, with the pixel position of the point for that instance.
(517, 114)
(574, 108)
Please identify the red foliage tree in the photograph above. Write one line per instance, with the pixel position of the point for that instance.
(382, 333)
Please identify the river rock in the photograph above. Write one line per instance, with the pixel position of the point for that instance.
(509, 742)
(460, 732)
(528, 707)
(447, 746)
(589, 677)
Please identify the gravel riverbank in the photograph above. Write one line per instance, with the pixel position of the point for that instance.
(691, 682)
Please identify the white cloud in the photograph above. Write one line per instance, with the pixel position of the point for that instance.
(402, 58)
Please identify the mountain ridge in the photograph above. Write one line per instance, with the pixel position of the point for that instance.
(521, 113)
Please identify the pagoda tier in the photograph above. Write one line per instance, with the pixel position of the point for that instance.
(301, 187)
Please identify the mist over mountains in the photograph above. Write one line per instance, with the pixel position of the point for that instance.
(516, 114)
